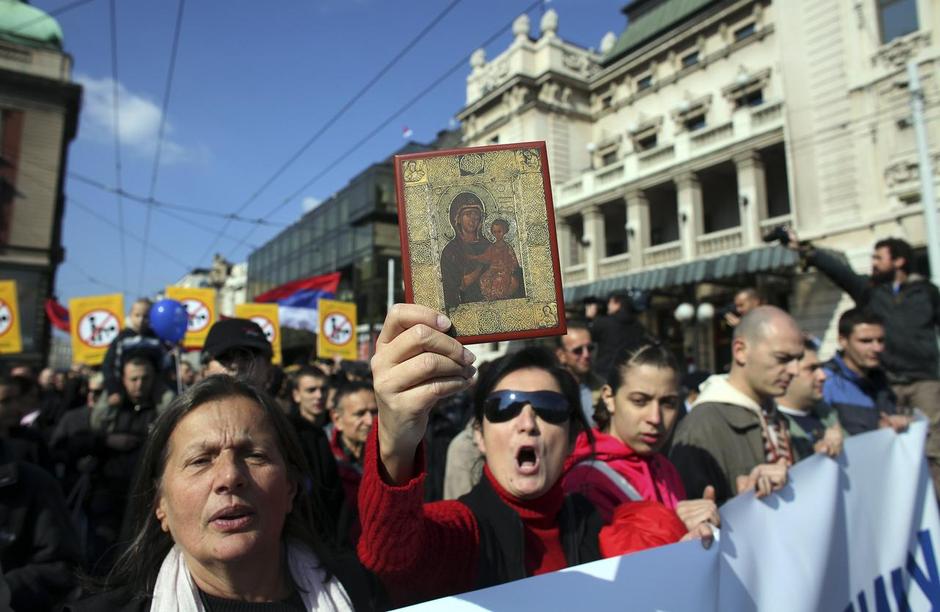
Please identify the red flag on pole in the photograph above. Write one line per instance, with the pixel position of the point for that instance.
(327, 283)
(58, 314)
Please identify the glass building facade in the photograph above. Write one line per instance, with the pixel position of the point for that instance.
(354, 232)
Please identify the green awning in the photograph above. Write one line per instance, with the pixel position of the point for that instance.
(762, 259)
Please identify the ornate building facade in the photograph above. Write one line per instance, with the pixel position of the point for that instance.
(706, 124)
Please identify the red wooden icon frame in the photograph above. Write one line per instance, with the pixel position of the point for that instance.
(561, 326)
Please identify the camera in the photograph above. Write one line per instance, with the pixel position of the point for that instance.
(778, 234)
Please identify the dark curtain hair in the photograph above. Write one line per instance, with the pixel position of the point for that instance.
(137, 567)
(532, 357)
(648, 353)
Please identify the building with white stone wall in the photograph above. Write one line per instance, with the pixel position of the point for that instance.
(707, 123)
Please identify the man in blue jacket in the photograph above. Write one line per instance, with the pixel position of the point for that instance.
(909, 305)
(855, 384)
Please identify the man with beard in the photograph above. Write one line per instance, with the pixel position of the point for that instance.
(909, 306)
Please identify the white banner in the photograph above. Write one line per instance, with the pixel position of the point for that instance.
(857, 534)
(296, 317)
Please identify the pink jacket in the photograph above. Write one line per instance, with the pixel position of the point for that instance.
(653, 477)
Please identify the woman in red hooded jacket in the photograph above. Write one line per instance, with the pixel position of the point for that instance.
(638, 409)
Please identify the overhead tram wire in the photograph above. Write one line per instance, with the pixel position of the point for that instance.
(192, 210)
(115, 103)
(110, 223)
(401, 110)
(160, 137)
(92, 279)
(342, 111)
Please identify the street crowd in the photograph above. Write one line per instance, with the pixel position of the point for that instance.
(239, 485)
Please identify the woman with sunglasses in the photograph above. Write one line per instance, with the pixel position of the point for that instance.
(517, 521)
(621, 462)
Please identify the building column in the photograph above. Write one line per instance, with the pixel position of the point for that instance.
(594, 233)
(691, 214)
(564, 243)
(638, 226)
(752, 195)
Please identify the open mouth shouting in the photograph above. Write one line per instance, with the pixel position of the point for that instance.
(527, 460)
(233, 518)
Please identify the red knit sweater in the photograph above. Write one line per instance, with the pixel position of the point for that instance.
(422, 551)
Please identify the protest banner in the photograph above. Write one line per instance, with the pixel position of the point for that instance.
(11, 338)
(266, 316)
(853, 534)
(336, 332)
(200, 308)
(94, 322)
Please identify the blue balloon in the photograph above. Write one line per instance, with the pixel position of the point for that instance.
(169, 320)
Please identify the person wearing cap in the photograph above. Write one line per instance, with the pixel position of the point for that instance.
(238, 347)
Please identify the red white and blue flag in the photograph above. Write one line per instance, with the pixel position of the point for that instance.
(297, 300)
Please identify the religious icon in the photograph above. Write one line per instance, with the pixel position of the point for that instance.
(478, 240)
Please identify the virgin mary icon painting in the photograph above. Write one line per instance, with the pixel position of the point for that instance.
(478, 239)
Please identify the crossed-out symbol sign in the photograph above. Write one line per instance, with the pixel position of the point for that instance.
(98, 328)
(337, 329)
(6, 318)
(198, 314)
(266, 326)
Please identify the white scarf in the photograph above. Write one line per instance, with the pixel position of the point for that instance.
(175, 590)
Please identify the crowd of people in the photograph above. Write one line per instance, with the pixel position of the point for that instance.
(234, 484)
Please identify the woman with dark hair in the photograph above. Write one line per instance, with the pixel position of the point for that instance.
(517, 521)
(219, 515)
(639, 407)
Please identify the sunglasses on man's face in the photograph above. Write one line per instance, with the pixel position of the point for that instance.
(550, 406)
(579, 350)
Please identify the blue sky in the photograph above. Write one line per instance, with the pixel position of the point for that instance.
(253, 82)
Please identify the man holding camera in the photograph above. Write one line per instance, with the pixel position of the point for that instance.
(909, 304)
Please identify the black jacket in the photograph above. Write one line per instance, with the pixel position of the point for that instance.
(39, 548)
(911, 317)
(502, 540)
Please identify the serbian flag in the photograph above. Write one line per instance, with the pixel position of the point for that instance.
(297, 300)
(57, 314)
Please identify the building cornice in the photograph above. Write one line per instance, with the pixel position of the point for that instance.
(675, 37)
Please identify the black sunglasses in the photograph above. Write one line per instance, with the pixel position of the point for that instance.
(578, 350)
(550, 406)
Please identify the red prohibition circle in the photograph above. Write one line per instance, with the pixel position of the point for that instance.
(348, 322)
(79, 325)
(262, 320)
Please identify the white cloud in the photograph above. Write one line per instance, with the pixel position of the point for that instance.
(138, 118)
(309, 203)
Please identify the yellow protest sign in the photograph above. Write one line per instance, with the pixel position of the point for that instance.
(200, 307)
(95, 321)
(336, 331)
(11, 339)
(265, 315)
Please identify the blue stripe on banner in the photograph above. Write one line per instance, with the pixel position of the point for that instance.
(307, 298)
